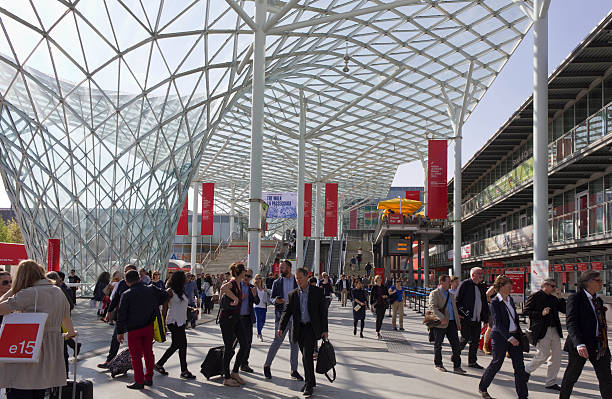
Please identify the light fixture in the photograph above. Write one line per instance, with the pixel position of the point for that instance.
(346, 60)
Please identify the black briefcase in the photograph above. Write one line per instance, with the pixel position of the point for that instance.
(326, 360)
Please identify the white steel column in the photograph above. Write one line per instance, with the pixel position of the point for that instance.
(317, 212)
(299, 240)
(457, 207)
(540, 131)
(232, 209)
(194, 227)
(257, 117)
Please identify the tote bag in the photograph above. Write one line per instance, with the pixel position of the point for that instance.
(21, 336)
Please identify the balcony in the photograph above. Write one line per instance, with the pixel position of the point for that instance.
(562, 150)
(566, 226)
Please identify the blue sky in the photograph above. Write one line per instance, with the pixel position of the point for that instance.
(569, 23)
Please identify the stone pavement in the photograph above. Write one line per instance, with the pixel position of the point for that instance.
(400, 365)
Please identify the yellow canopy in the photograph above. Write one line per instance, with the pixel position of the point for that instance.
(408, 206)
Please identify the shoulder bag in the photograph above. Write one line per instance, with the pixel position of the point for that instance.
(430, 319)
(326, 360)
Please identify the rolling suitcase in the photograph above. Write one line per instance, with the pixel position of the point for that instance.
(81, 389)
(213, 363)
(120, 364)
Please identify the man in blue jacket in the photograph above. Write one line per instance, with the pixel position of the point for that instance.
(281, 288)
(247, 315)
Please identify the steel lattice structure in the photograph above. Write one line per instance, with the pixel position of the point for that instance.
(110, 109)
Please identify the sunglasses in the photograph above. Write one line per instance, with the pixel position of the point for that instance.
(7, 282)
(249, 275)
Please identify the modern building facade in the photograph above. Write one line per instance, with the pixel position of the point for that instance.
(497, 183)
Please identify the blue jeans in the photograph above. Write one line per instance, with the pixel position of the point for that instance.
(260, 315)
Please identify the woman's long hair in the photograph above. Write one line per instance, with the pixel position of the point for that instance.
(104, 277)
(28, 273)
(177, 283)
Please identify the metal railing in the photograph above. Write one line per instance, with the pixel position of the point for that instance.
(213, 255)
(560, 150)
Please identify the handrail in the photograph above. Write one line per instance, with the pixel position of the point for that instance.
(209, 258)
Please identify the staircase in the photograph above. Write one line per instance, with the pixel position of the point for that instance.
(351, 250)
(335, 259)
(235, 252)
(309, 247)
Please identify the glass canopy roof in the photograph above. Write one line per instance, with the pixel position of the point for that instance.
(144, 97)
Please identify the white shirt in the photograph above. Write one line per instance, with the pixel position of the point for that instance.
(177, 310)
(263, 299)
(512, 326)
(594, 311)
(344, 284)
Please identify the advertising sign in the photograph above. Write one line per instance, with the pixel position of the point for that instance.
(53, 255)
(466, 251)
(208, 206)
(380, 271)
(597, 265)
(436, 182)
(353, 219)
(307, 209)
(518, 285)
(282, 205)
(395, 218)
(12, 254)
(539, 272)
(413, 195)
(330, 228)
(581, 266)
(182, 229)
(398, 246)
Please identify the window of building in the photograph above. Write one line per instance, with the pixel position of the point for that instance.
(568, 119)
(582, 109)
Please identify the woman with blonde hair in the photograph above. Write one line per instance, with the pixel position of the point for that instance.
(33, 292)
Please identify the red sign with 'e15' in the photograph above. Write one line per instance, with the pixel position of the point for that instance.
(18, 341)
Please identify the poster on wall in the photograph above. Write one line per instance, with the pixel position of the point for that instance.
(208, 206)
(353, 219)
(281, 205)
(539, 272)
(436, 182)
(518, 285)
(331, 210)
(182, 229)
(12, 254)
(307, 209)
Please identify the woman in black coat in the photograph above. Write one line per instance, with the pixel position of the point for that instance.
(360, 298)
(378, 303)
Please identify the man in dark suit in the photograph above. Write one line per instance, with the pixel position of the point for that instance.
(587, 331)
(306, 305)
(473, 310)
(543, 309)
(247, 315)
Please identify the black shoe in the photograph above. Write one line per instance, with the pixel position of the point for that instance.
(440, 369)
(296, 376)
(186, 375)
(307, 391)
(485, 395)
(149, 383)
(361, 335)
(394, 328)
(401, 328)
(554, 387)
(247, 369)
(135, 386)
(160, 370)
(267, 372)
(103, 365)
(459, 370)
(355, 331)
(476, 366)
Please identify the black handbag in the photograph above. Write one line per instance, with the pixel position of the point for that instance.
(525, 342)
(326, 360)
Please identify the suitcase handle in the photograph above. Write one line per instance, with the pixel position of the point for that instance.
(76, 350)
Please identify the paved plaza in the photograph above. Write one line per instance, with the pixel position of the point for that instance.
(401, 365)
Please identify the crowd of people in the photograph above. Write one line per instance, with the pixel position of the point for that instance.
(134, 300)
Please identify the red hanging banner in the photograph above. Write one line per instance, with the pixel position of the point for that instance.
(331, 210)
(12, 254)
(436, 179)
(353, 219)
(307, 209)
(53, 255)
(182, 229)
(413, 195)
(208, 206)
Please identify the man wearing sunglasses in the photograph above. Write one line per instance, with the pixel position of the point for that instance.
(543, 309)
